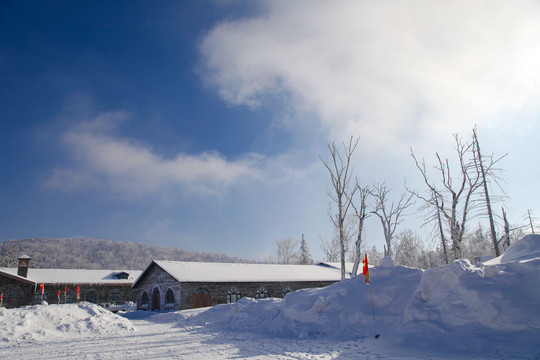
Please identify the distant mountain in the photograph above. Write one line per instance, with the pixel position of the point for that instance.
(84, 253)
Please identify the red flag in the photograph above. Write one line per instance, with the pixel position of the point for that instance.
(77, 292)
(365, 270)
(1, 296)
(42, 288)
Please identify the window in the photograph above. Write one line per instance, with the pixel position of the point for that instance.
(66, 298)
(69, 297)
(91, 296)
(262, 293)
(144, 300)
(201, 291)
(286, 291)
(233, 295)
(114, 297)
(169, 297)
(37, 297)
(122, 275)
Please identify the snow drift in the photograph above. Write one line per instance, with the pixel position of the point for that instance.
(49, 322)
(491, 308)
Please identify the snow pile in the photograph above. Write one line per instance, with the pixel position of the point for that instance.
(48, 322)
(527, 248)
(493, 308)
(342, 310)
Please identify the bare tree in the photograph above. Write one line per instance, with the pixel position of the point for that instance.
(361, 215)
(449, 202)
(340, 171)
(506, 242)
(330, 249)
(389, 213)
(486, 171)
(530, 220)
(286, 250)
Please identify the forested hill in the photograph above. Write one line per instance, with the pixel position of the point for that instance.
(84, 253)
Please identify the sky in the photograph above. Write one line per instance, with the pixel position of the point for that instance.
(201, 124)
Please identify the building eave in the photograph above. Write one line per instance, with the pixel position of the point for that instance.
(17, 277)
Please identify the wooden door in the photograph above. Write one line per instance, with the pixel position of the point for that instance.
(155, 300)
(201, 298)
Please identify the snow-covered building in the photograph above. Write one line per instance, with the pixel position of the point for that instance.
(22, 285)
(174, 285)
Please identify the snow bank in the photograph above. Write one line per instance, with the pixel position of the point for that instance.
(341, 311)
(527, 248)
(67, 321)
(457, 307)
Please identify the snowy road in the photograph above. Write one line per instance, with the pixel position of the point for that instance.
(167, 336)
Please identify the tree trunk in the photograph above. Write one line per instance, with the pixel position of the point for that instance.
(486, 193)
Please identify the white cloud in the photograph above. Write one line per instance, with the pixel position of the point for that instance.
(393, 72)
(133, 169)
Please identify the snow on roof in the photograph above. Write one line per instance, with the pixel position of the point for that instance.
(13, 274)
(337, 265)
(76, 276)
(241, 272)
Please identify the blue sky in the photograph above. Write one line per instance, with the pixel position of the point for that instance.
(199, 124)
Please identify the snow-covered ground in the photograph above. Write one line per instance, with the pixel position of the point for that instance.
(455, 311)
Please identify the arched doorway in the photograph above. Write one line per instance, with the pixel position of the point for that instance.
(155, 299)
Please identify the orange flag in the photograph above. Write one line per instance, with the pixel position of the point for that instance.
(42, 288)
(365, 270)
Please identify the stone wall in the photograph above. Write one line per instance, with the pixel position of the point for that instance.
(155, 284)
(15, 292)
(218, 291)
(97, 293)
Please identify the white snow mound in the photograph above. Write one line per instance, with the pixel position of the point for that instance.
(525, 249)
(66, 321)
(457, 307)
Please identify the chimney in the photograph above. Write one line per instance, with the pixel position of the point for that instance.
(22, 269)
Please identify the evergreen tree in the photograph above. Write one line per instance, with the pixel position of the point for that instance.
(304, 257)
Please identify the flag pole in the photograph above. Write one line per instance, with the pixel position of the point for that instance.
(371, 296)
(365, 271)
